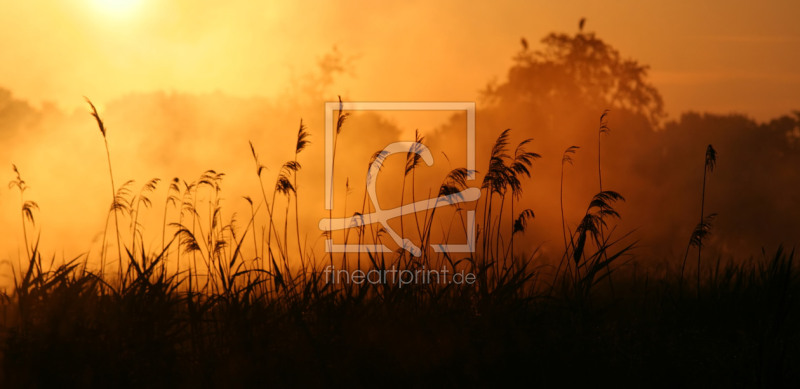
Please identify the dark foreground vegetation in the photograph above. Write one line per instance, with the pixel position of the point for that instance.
(740, 329)
(232, 319)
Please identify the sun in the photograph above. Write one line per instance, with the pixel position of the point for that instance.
(116, 7)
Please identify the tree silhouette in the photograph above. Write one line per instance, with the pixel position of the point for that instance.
(580, 70)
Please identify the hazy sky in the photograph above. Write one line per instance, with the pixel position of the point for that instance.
(720, 56)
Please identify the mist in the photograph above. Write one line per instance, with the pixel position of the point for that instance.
(654, 162)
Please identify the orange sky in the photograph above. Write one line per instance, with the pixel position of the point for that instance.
(720, 56)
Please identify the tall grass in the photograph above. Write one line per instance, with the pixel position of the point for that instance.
(27, 207)
(209, 253)
(302, 142)
(114, 204)
(566, 158)
(227, 314)
(703, 228)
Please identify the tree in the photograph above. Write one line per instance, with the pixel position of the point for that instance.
(578, 70)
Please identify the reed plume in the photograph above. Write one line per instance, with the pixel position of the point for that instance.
(703, 227)
(114, 207)
(566, 158)
(27, 207)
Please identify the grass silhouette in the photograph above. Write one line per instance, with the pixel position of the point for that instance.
(115, 196)
(703, 227)
(235, 317)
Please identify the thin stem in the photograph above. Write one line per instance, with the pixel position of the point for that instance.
(561, 203)
(702, 213)
(297, 214)
(114, 203)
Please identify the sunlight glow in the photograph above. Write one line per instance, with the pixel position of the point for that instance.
(116, 7)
